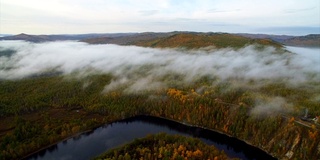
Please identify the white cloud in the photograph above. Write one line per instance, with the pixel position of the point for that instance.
(271, 106)
(137, 69)
(72, 16)
(129, 61)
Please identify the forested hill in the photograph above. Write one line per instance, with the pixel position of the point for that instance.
(60, 37)
(187, 40)
(176, 39)
(51, 91)
(311, 40)
(199, 40)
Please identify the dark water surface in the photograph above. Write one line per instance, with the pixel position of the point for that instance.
(88, 145)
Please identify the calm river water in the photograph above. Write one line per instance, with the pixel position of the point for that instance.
(91, 144)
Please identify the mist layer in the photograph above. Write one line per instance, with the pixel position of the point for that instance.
(136, 64)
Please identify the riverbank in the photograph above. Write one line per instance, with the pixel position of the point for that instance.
(55, 143)
(65, 116)
(213, 130)
(126, 130)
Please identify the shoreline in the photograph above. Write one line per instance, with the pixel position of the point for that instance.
(213, 130)
(55, 143)
(164, 118)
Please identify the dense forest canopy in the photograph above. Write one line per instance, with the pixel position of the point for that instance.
(256, 93)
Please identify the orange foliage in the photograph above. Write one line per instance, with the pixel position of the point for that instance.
(189, 154)
(177, 94)
(313, 135)
(182, 97)
(115, 94)
(291, 120)
(197, 153)
(63, 133)
(181, 148)
(225, 128)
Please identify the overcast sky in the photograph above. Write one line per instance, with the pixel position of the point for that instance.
(292, 17)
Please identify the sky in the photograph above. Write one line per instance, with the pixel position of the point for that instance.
(290, 17)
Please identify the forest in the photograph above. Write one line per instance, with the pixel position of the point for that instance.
(163, 146)
(39, 111)
(257, 94)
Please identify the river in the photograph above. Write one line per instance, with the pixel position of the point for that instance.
(91, 144)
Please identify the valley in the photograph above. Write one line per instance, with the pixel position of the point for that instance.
(255, 90)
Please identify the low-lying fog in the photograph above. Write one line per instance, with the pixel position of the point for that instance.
(140, 69)
(123, 61)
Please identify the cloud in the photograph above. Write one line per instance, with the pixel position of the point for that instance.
(148, 12)
(299, 10)
(222, 11)
(80, 16)
(138, 69)
(309, 58)
(271, 107)
(291, 30)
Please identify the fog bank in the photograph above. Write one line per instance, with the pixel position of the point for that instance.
(125, 61)
(136, 69)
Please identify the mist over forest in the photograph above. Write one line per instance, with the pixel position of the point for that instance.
(248, 70)
(137, 69)
(252, 82)
(133, 64)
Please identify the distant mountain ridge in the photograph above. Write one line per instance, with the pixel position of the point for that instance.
(311, 40)
(5, 35)
(201, 40)
(278, 38)
(60, 37)
(177, 39)
(132, 39)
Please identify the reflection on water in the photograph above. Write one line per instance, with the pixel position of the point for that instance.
(90, 144)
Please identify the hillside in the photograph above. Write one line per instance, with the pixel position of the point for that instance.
(177, 39)
(163, 146)
(127, 40)
(249, 93)
(200, 40)
(277, 38)
(26, 37)
(188, 40)
(61, 37)
(311, 40)
(54, 108)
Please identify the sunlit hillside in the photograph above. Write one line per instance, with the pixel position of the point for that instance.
(200, 40)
